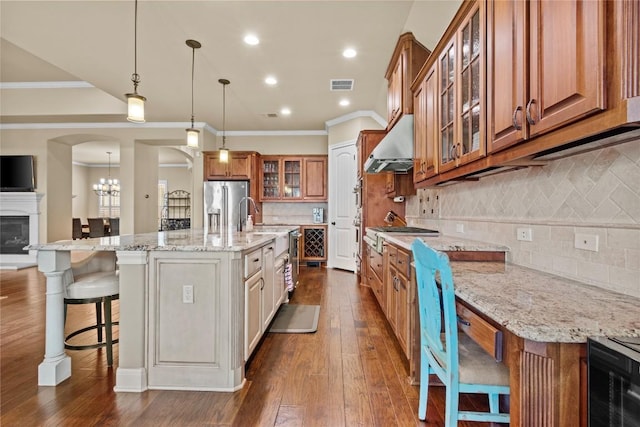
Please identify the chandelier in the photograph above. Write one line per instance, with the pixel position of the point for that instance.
(107, 187)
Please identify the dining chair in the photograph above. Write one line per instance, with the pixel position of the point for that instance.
(460, 364)
(114, 226)
(96, 227)
(77, 229)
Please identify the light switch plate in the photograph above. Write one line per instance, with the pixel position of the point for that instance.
(187, 294)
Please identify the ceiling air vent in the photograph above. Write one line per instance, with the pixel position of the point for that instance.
(341, 84)
(270, 115)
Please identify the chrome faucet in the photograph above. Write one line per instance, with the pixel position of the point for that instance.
(255, 208)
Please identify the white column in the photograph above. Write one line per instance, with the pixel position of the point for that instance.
(131, 375)
(56, 366)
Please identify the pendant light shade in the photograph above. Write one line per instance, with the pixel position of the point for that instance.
(135, 101)
(193, 138)
(192, 133)
(135, 110)
(224, 155)
(224, 152)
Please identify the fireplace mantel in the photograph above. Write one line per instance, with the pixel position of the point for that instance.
(22, 204)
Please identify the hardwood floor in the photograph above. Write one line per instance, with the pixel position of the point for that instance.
(349, 373)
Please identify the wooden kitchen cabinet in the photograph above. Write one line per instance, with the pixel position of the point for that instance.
(425, 118)
(240, 166)
(313, 243)
(572, 66)
(397, 285)
(372, 193)
(314, 182)
(462, 92)
(408, 56)
(546, 66)
(374, 272)
(399, 184)
(293, 178)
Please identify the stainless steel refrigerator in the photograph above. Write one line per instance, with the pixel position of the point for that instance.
(224, 205)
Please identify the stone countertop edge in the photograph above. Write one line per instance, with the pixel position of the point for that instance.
(532, 304)
(192, 240)
(443, 243)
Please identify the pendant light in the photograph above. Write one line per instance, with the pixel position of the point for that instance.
(192, 133)
(224, 152)
(135, 101)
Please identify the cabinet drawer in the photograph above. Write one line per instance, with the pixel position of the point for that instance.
(482, 332)
(403, 263)
(252, 263)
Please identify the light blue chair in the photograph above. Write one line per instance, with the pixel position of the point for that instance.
(461, 364)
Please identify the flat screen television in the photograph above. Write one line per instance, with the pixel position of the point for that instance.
(17, 173)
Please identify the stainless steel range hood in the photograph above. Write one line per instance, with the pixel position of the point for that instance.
(395, 151)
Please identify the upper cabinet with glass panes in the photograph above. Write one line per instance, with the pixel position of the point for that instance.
(461, 90)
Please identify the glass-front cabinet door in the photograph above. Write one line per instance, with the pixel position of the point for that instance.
(462, 93)
(270, 179)
(292, 184)
(447, 96)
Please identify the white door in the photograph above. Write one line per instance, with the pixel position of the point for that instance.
(342, 206)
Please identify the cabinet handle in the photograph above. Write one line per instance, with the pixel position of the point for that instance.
(256, 259)
(515, 118)
(262, 285)
(452, 152)
(530, 119)
(463, 321)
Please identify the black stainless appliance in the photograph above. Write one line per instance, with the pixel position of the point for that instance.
(614, 381)
(374, 238)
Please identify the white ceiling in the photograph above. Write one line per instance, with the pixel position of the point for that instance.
(300, 43)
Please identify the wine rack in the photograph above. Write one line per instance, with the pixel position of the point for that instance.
(314, 243)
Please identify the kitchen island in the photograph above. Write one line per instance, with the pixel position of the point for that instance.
(182, 306)
(536, 323)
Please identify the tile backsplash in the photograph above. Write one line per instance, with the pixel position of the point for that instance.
(290, 213)
(594, 194)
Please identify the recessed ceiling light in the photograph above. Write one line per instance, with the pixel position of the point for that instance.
(285, 111)
(270, 80)
(349, 53)
(251, 39)
(344, 102)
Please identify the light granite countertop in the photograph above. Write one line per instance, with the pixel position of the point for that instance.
(543, 307)
(532, 304)
(176, 240)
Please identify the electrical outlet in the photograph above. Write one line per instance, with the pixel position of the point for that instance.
(588, 242)
(187, 294)
(524, 234)
(459, 228)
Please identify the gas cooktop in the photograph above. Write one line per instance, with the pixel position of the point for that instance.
(408, 230)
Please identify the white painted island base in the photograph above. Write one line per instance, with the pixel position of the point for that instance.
(182, 308)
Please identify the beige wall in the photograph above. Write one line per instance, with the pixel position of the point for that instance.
(593, 193)
(276, 144)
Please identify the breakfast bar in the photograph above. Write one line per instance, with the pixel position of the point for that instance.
(165, 341)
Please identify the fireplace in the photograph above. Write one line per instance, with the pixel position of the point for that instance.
(14, 234)
(19, 226)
